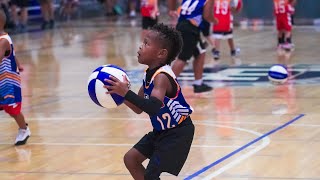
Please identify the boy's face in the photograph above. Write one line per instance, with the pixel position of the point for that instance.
(148, 52)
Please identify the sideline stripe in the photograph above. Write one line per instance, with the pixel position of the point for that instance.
(242, 148)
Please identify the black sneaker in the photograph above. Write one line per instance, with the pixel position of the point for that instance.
(201, 88)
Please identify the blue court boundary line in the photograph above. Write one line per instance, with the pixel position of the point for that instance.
(242, 148)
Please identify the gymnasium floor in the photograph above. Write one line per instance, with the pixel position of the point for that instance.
(246, 128)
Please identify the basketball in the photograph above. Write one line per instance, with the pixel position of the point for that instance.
(96, 82)
(278, 74)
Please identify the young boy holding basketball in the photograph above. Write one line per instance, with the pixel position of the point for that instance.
(10, 88)
(160, 96)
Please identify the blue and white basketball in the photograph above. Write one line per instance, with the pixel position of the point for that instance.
(278, 74)
(96, 82)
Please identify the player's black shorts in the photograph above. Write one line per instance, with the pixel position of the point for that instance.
(167, 150)
(148, 22)
(205, 28)
(20, 3)
(191, 38)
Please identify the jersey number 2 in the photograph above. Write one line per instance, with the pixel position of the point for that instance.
(167, 117)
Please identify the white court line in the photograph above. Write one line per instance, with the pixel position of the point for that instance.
(113, 145)
(6, 120)
(257, 123)
(265, 142)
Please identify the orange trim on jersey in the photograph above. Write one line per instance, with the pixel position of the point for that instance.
(161, 71)
(182, 119)
(153, 76)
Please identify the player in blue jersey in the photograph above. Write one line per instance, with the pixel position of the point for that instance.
(191, 16)
(160, 96)
(10, 88)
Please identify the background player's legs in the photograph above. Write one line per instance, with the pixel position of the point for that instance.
(19, 118)
(281, 38)
(47, 14)
(216, 50)
(132, 8)
(210, 39)
(198, 64)
(232, 47)
(287, 43)
(24, 18)
(14, 15)
(133, 160)
(288, 37)
(23, 132)
(234, 52)
(177, 66)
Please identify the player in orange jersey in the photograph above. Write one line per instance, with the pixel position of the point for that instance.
(223, 10)
(283, 10)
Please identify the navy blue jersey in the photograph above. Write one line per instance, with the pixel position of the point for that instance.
(174, 110)
(192, 10)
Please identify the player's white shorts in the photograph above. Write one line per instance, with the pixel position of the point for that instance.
(222, 35)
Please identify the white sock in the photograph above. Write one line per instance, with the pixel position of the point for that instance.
(198, 82)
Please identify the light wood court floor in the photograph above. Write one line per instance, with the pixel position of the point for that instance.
(72, 138)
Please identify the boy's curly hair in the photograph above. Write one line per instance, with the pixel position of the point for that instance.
(170, 39)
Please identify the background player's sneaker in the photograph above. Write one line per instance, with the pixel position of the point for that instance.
(215, 54)
(235, 56)
(235, 53)
(22, 137)
(201, 88)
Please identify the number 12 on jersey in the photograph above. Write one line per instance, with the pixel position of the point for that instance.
(165, 118)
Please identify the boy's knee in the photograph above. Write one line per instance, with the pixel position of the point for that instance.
(128, 159)
(132, 158)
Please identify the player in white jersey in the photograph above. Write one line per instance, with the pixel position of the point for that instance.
(160, 96)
